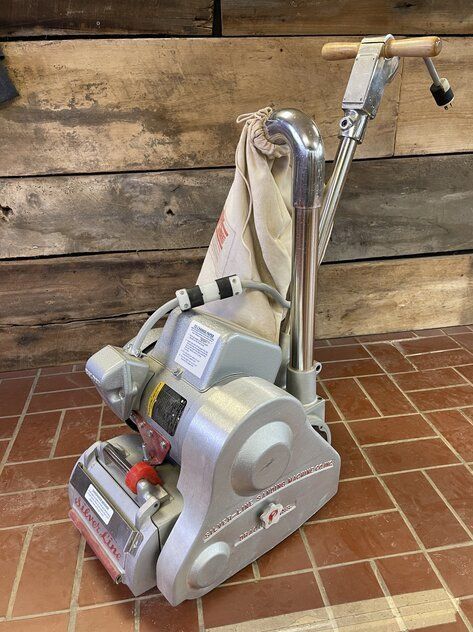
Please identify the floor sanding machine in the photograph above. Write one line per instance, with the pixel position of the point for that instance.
(231, 452)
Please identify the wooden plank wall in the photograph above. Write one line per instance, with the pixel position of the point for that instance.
(117, 157)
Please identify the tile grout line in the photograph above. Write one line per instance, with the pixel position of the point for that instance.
(461, 375)
(19, 422)
(395, 441)
(250, 580)
(74, 602)
(99, 425)
(35, 524)
(422, 548)
(439, 434)
(56, 435)
(404, 517)
(273, 576)
(435, 388)
(200, 615)
(440, 549)
(419, 469)
(357, 515)
(137, 616)
(318, 579)
(19, 571)
(425, 418)
(44, 460)
(406, 393)
(64, 390)
(30, 491)
(411, 528)
(389, 598)
(452, 510)
(370, 399)
(244, 581)
(55, 410)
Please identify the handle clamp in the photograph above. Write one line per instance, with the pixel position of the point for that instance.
(369, 76)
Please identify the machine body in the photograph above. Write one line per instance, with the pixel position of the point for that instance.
(231, 453)
(251, 468)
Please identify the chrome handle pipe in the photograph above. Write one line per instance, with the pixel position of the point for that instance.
(352, 130)
(333, 192)
(302, 135)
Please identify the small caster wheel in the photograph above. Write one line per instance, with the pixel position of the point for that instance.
(321, 428)
(131, 424)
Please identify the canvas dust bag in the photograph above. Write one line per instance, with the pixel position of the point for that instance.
(253, 237)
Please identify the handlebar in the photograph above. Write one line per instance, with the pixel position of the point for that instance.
(410, 47)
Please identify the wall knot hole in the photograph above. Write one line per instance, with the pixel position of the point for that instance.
(5, 211)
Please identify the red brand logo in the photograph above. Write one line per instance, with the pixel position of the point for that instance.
(102, 533)
(221, 232)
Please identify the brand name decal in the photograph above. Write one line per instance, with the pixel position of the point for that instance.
(294, 478)
(102, 533)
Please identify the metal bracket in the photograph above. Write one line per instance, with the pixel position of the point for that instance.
(370, 74)
(155, 445)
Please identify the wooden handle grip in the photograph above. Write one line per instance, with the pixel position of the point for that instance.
(410, 47)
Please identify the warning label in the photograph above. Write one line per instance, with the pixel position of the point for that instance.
(196, 348)
(165, 407)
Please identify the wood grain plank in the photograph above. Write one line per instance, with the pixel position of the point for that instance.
(53, 17)
(423, 127)
(395, 295)
(394, 207)
(404, 294)
(405, 206)
(42, 291)
(401, 294)
(49, 345)
(344, 17)
(138, 104)
(135, 211)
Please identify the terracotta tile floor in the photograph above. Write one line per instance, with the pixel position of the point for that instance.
(392, 551)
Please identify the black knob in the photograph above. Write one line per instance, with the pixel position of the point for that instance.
(443, 94)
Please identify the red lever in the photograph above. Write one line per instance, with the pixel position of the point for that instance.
(140, 471)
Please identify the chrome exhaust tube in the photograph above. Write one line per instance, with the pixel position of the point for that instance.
(302, 135)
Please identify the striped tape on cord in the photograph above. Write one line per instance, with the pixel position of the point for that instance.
(208, 292)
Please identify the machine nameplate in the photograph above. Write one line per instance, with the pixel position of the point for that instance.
(196, 348)
(266, 493)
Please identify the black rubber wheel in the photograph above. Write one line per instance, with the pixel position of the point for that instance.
(131, 424)
(322, 433)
